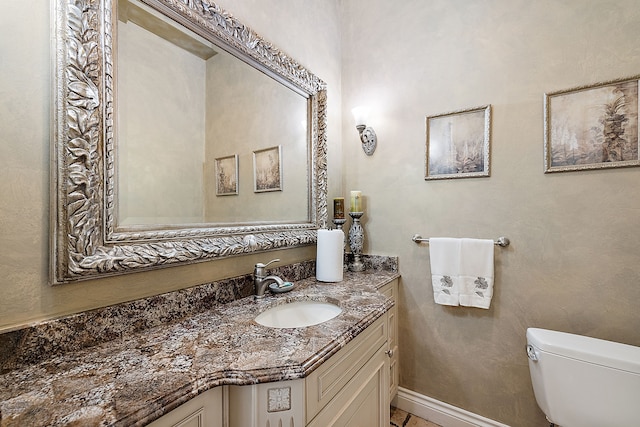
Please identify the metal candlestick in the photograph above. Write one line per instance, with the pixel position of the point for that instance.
(356, 241)
(339, 222)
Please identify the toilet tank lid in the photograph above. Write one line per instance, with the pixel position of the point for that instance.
(592, 350)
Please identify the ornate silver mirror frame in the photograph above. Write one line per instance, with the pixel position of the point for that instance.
(85, 243)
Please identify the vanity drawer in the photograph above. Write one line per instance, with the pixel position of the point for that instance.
(390, 290)
(326, 381)
(206, 409)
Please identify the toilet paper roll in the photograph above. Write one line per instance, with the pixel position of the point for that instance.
(330, 256)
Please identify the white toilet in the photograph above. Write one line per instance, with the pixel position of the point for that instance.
(584, 382)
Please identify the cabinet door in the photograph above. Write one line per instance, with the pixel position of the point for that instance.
(364, 401)
(325, 383)
(204, 410)
(394, 374)
(390, 290)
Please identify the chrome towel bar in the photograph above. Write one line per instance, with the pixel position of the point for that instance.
(501, 241)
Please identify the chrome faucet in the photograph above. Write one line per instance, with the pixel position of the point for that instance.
(261, 280)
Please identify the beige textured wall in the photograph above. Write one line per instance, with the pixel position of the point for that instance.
(250, 111)
(159, 185)
(25, 80)
(573, 263)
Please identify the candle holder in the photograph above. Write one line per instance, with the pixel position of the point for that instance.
(339, 222)
(356, 241)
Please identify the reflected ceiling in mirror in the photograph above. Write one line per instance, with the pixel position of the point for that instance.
(140, 181)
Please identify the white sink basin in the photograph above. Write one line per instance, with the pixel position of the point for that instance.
(298, 314)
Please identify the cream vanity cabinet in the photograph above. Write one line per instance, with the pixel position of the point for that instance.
(204, 410)
(352, 388)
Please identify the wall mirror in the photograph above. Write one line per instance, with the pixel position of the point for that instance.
(180, 136)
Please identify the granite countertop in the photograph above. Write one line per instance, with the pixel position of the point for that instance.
(135, 379)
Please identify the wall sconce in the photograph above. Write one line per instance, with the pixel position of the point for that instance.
(367, 134)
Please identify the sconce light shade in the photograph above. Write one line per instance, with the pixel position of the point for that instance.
(360, 114)
(367, 134)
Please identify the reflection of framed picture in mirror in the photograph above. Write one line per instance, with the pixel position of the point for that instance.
(227, 175)
(267, 169)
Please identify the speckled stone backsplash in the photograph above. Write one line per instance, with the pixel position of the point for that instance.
(376, 262)
(71, 333)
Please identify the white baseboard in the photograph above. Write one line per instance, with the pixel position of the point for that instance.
(439, 412)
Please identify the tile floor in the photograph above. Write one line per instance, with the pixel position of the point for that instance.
(400, 418)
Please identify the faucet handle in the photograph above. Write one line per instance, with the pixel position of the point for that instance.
(261, 265)
(259, 270)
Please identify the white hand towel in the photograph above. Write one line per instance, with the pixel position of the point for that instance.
(444, 255)
(476, 272)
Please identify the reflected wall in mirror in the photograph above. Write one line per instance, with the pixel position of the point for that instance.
(149, 96)
(183, 102)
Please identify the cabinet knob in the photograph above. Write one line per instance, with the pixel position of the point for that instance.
(389, 353)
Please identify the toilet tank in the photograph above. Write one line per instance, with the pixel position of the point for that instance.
(584, 382)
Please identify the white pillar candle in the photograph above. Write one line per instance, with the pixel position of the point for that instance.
(356, 201)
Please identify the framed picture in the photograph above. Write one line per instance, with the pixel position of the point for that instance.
(227, 175)
(592, 127)
(267, 169)
(458, 144)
